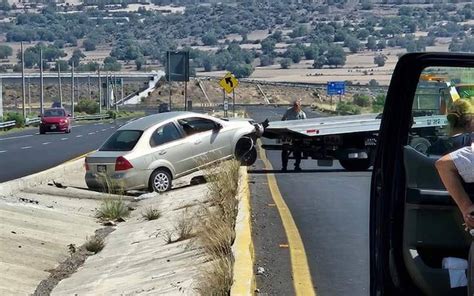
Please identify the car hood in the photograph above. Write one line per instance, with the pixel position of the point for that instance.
(245, 123)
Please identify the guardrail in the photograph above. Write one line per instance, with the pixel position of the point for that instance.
(7, 124)
(92, 117)
(32, 121)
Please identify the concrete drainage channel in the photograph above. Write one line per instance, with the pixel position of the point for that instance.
(163, 246)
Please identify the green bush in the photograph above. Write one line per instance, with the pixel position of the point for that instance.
(112, 114)
(378, 103)
(87, 106)
(361, 100)
(346, 108)
(20, 121)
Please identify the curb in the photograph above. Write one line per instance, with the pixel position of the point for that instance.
(10, 187)
(243, 249)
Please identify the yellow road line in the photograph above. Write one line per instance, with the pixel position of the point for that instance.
(302, 281)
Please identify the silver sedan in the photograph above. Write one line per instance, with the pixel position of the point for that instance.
(150, 152)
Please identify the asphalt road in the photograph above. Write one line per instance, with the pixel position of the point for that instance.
(27, 152)
(330, 207)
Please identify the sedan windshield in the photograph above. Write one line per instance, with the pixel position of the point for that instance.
(54, 113)
(124, 140)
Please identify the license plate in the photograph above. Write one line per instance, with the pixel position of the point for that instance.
(53, 127)
(101, 168)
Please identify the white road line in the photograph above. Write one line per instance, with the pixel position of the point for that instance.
(3, 151)
(78, 136)
(26, 147)
(18, 137)
(104, 129)
(64, 139)
(93, 133)
(46, 143)
(101, 123)
(77, 125)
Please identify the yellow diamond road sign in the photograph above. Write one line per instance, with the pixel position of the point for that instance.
(229, 82)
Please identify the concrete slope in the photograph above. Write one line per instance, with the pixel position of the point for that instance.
(35, 231)
(137, 259)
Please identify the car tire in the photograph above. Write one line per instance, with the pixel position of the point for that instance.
(245, 152)
(420, 144)
(160, 181)
(354, 165)
(41, 131)
(68, 131)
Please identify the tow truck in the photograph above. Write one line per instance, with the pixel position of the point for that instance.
(352, 139)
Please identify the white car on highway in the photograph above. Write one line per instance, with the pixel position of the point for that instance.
(150, 152)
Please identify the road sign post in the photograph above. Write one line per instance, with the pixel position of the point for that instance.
(228, 84)
(233, 102)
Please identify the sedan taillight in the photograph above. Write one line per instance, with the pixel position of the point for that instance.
(121, 164)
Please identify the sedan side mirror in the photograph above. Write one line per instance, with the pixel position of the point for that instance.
(69, 115)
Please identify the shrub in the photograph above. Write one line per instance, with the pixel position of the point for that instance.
(346, 108)
(285, 63)
(87, 106)
(378, 103)
(361, 100)
(112, 114)
(20, 121)
(94, 244)
(112, 209)
(151, 214)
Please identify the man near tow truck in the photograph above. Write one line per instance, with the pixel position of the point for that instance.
(293, 113)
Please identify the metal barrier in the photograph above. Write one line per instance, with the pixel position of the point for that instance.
(32, 121)
(92, 117)
(7, 124)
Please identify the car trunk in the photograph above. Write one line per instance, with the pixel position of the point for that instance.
(103, 161)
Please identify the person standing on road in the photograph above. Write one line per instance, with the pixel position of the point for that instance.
(293, 113)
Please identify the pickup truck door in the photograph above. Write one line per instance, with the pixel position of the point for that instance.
(414, 222)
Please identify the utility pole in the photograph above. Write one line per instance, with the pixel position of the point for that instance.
(60, 86)
(23, 92)
(89, 87)
(100, 90)
(115, 93)
(72, 90)
(121, 91)
(29, 94)
(107, 97)
(41, 83)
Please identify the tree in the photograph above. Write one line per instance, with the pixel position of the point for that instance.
(241, 70)
(335, 55)
(4, 5)
(268, 46)
(89, 44)
(298, 32)
(371, 43)
(207, 63)
(285, 63)
(209, 39)
(77, 55)
(352, 43)
(111, 64)
(373, 83)
(63, 66)
(311, 52)
(139, 63)
(5, 51)
(295, 54)
(363, 34)
(319, 62)
(361, 100)
(380, 59)
(378, 103)
(266, 60)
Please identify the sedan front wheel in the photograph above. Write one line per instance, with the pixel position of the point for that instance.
(160, 181)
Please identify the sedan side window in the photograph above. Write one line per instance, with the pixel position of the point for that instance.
(196, 125)
(164, 134)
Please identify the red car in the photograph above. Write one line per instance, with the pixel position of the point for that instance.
(55, 120)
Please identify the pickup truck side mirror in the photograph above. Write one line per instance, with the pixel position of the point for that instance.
(217, 126)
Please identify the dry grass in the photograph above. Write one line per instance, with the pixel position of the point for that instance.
(216, 228)
(94, 244)
(112, 209)
(183, 229)
(217, 279)
(151, 214)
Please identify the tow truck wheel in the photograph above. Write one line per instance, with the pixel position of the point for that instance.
(420, 144)
(355, 164)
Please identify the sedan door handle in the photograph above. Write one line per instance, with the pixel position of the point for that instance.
(162, 152)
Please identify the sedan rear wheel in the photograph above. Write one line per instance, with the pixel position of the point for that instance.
(160, 181)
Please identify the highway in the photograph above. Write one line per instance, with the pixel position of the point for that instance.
(330, 207)
(27, 152)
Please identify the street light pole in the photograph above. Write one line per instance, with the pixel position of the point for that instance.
(41, 83)
(72, 90)
(23, 92)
